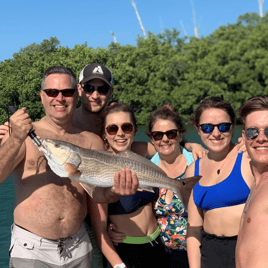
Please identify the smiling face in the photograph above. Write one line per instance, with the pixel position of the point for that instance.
(94, 102)
(121, 140)
(59, 108)
(215, 141)
(258, 147)
(166, 146)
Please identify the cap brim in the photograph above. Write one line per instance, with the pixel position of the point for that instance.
(96, 77)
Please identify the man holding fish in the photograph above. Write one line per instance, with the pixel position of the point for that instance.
(48, 228)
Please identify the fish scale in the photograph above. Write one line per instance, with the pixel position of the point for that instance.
(98, 167)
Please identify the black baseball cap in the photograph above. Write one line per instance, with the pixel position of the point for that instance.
(96, 70)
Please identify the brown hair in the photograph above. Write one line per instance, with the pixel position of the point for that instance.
(213, 102)
(165, 112)
(257, 103)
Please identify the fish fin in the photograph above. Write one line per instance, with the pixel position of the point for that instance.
(88, 188)
(72, 170)
(140, 159)
(148, 189)
(183, 191)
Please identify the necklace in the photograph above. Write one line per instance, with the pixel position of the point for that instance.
(218, 169)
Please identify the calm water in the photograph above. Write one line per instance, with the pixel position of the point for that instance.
(7, 194)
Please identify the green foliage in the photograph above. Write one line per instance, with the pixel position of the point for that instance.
(231, 62)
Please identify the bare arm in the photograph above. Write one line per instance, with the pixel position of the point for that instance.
(3, 130)
(194, 228)
(12, 150)
(145, 149)
(197, 149)
(99, 219)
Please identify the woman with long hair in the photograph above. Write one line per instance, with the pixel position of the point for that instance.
(133, 215)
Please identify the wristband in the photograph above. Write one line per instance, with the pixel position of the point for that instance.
(122, 265)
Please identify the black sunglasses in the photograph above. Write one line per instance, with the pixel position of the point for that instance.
(126, 127)
(102, 90)
(252, 133)
(171, 134)
(222, 127)
(69, 92)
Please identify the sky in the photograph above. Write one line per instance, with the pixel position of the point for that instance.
(76, 22)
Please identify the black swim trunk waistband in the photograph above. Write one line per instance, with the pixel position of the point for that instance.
(212, 236)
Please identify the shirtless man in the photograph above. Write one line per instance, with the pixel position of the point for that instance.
(251, 249)
(48, 228)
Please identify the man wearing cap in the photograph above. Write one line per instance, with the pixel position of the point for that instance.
(251, 248)
(95, 89)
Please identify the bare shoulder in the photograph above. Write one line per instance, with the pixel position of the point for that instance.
(246, 169)
(90, 140)
(190, 170)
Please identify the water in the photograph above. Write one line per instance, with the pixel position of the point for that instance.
(7, 194)
(6, 219)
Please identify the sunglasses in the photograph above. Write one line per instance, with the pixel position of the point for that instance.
(222, 127)
(55, 92)
(171, 134)
(253, 132)
(126, 127)
(102, 90)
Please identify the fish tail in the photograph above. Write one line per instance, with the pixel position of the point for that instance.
(184, 189)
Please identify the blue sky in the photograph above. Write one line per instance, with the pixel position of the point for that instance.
(76, 22)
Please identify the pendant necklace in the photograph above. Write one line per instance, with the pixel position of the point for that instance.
(218, 169)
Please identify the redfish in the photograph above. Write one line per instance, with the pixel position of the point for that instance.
(97, 168)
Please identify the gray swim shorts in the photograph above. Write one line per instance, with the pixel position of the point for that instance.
(29, 250)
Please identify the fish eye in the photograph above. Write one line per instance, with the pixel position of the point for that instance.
(56, 145)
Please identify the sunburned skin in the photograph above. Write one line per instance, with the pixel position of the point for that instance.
(48, 206)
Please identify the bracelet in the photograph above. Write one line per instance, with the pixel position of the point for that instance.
(122, 265)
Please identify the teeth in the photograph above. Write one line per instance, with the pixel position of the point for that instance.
(59, 106)
(165, 146)
(120, 141)
(261, 148)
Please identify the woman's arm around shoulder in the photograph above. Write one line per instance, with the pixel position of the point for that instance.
(145, 149)
(197, 150)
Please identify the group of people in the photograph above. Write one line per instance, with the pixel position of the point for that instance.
(137, 227)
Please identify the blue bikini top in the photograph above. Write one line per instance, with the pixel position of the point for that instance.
(229, 192)
(131, 203)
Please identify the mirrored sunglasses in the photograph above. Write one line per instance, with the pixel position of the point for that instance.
(55, 92)
(102, 90)
(222, 127)
(252, 133)
(126, 127)
(171, 134)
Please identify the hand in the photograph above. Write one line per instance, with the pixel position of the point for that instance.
(115, 237)
(21, 124)
(198, 151)
(3, 130)
(241, 147)
(125, 182)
